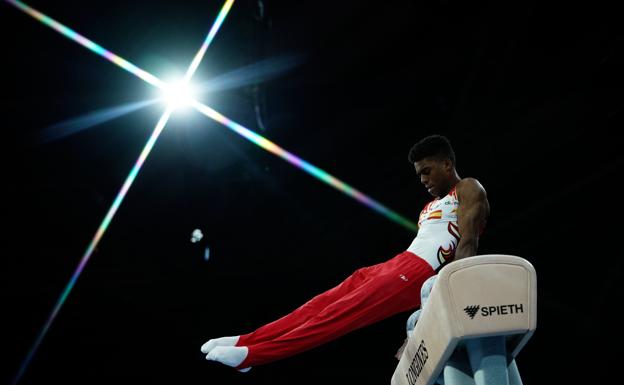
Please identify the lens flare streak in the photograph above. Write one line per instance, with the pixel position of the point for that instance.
(304, 165)
(94, 47)
(76, 125)
(211, 34)
(252, 74)
(96, 239)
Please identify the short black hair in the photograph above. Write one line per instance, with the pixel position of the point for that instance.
(433, 146)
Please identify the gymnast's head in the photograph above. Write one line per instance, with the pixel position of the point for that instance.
(434, 160)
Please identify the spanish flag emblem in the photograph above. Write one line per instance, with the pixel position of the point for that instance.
(437, 214)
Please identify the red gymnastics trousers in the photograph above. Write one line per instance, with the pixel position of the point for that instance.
(369, 295)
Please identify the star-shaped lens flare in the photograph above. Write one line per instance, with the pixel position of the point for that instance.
(178, 95)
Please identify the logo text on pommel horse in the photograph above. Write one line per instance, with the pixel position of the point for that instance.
(487, 311)
(417, 364)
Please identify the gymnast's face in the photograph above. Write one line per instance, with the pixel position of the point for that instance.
(435, 175)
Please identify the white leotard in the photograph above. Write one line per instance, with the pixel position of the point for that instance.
(438, 233)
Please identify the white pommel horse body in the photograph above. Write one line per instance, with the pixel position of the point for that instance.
(481, 312)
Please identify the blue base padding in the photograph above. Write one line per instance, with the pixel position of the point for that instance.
(480, 361)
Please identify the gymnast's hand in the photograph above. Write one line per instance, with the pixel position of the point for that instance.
(399, 352)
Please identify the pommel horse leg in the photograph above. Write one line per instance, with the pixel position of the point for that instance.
(488, 360)
(482, 362)
(480, 313)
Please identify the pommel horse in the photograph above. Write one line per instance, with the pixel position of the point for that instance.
(480, 313)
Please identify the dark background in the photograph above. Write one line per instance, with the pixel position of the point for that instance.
(529, 93)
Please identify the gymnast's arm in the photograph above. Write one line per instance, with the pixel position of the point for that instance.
(472, 214)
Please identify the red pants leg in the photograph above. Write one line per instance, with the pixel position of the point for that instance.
(306, 311)
(386, 289)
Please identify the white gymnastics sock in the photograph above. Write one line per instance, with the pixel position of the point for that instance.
(223, 341)
(228, 355)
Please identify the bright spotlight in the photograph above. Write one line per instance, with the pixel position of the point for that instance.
(178, 94)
